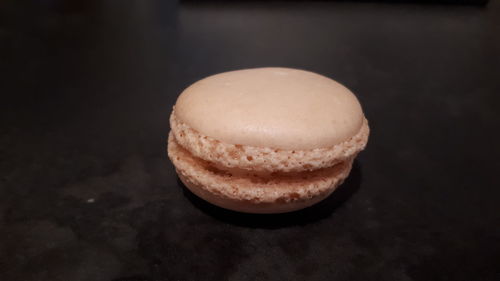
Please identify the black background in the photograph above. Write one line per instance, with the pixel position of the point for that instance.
(87, 192)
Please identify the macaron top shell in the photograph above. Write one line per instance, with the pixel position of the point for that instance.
(271, 107)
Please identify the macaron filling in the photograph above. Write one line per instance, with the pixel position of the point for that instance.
(266, 159)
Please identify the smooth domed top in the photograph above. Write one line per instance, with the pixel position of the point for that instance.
(271, 107)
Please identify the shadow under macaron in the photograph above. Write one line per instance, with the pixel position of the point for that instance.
(305, 216)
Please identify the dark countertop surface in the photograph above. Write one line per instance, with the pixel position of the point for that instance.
(87, 192)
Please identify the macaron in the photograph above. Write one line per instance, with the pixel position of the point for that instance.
(265, 140)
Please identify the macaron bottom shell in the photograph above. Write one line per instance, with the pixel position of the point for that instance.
(250, 193)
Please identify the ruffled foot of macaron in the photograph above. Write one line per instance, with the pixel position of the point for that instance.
(265, 140)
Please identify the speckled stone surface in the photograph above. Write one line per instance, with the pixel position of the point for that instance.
(87, 192)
